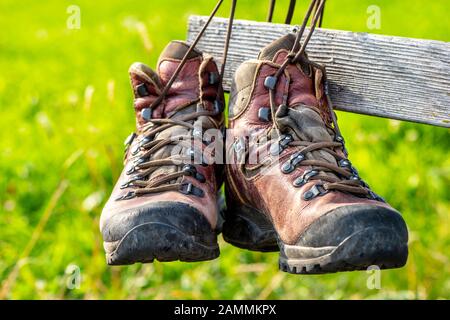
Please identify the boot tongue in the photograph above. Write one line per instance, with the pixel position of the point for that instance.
(284, 43)
(175, 52)
(303, 122)
(306, 124)
(300, 119)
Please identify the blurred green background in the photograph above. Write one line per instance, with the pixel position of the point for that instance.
(66, 107)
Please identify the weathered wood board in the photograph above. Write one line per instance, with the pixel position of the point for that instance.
(386, 76)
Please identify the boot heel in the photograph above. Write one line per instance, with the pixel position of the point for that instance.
(247, 228)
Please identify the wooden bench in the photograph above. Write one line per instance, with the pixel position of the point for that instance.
(385, 76)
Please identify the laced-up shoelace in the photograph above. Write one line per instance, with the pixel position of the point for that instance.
(290, 12)
(140, 165)
(344, 177)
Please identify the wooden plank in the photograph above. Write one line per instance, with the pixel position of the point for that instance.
(385, 76)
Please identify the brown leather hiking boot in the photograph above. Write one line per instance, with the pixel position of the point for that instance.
(302, 196)
(164, 205)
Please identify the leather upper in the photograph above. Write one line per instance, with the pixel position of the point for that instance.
(269, 190)
(191, 90)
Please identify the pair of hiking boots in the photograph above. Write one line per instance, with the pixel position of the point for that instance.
(301, 196)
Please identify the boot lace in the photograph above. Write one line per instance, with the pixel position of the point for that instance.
(342, 177)
(141, 165)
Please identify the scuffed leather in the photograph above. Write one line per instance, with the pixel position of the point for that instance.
(272, 192)
(190, 88)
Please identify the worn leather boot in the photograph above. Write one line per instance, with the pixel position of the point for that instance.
(164, 205)
(301, 195)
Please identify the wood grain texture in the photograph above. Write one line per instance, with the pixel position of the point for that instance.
(385, 76)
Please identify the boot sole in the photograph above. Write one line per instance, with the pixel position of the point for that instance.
(165, 231)
(149, 241)
(370, 246)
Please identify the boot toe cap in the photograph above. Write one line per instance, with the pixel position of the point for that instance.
(175, 214)
(334, 227)
(352, 237)
(165, 231)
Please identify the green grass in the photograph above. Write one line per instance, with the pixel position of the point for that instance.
(66, 106)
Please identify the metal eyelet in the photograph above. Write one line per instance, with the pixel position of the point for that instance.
(278, 147)
(142, 90)
(144, 141)
(189, 188)
(126, 185)
(354, 171)
(139, 161)
(264, 114)
(192, 171)
(133, 166)
(364, 184)
(239, 146)
(218, 107)
(213, 78)
(344, 163)
(316, 190)
(190, 153)
(189, 169)
(305, 178)
(129, 139)
(130, 181)
(374, 196)
(128, 195)
(131, 170)
(293, 161)
(297, 158)
(340, 139)
(299, 182)
(287, 167)
(146, 114)
(270, 82)
(356, 177)
(135, 150)
(197, 133)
